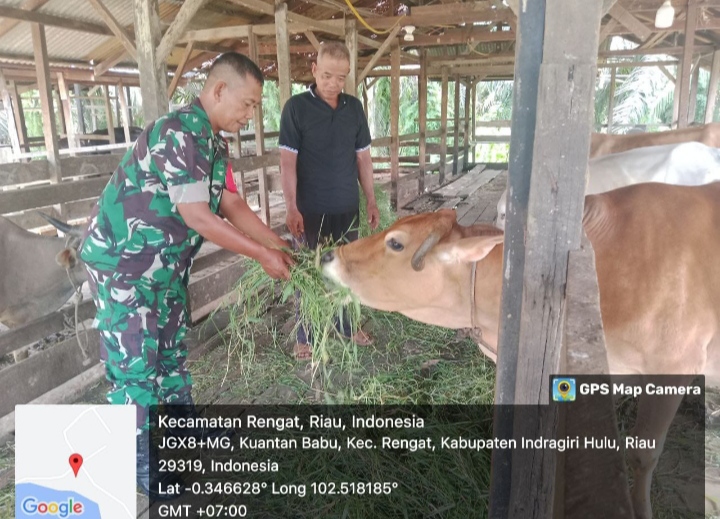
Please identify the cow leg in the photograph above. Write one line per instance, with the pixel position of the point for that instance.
(654, 416)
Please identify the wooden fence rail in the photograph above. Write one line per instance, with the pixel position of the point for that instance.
(26, 187)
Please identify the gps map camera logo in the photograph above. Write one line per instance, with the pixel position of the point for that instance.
(563, 389)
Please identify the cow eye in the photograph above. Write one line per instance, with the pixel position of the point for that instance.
(395, 245)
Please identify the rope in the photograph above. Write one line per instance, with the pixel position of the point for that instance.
(367, 26)
(78, 299)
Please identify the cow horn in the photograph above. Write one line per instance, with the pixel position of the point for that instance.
(73, 230)
(441, 228)
(418, 259)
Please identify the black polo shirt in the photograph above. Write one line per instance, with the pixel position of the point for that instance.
(326, 141)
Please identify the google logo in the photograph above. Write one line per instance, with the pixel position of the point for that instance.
(30, 505)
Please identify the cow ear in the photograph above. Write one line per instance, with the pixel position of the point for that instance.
(66, 258)
(468, 250)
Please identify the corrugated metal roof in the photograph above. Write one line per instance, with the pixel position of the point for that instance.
(61, 43)
(122, 10)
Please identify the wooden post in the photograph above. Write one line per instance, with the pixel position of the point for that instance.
(8, 105)
(456, 129)
(443, 124)
(395, 123)
(611, 100)
(684, 77)
(351, 41)
(129, 102)
(124, 112)
(153, 72)
(263, 184)
(42, 68)
(19, 115)
(422, 119)
(713, 87)
(676, 98)
(466, 140)
(57, 104)
(473, 124)
(365, 97)
(79, 108)
(553, 229)
(283, 51)
(694, 80)
(65, 101)
(109, 115)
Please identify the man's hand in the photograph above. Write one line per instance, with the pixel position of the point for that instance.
(373, 216)
(276, 264)
(294, 222)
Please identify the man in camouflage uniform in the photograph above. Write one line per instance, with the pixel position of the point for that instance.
(150, 221)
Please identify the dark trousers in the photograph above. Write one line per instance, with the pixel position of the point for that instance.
(321, 228)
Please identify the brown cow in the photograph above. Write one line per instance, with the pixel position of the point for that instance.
(657, 248)
(605, 144)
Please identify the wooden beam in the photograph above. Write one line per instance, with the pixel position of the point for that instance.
(395, 123)
(153, 73)
(52, 21)
(430, 16)
(690, 24)
(607, 30)
(75, 75)
(443, 124)
(713, 87)
(283, 51)
(9, 111)
(379, 53)
(217, 34)
(422, 118)
(310, 23)
(263, 184)
(351, 42)
(42, 69)
(667, 73)
(29, 5)
(313, 40)
(466, 36)
(115, 27)
(108, 63)
(124, 112)
(638, 28)
(65, 101)
(187, 11)
(180, 69)
(456, 123)
(19, 115)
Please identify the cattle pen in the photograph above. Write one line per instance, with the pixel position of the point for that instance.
(96, 75)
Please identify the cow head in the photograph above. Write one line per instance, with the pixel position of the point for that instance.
(421, 267)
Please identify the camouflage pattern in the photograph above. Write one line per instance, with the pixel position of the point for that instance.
(138, 252)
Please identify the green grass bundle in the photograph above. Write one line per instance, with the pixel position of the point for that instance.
(322, 303)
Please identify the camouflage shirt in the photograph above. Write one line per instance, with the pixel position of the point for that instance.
(136, 228)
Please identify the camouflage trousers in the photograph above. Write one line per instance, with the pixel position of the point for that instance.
(142, 323)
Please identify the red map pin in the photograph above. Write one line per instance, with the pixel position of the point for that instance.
(76, 462)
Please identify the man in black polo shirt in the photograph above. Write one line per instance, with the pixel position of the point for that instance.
(324, 151)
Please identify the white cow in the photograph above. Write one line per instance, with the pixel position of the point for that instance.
(686, 164)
